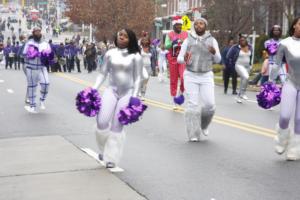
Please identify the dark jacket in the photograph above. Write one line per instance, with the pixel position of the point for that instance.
(60, 51)
(224, 52)
(233, 55)
(153, 57)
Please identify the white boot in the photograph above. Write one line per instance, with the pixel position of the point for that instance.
(192, 122)
(101, 137)
(281, 139)
(293, 151)
(113, 148)
(42, 105)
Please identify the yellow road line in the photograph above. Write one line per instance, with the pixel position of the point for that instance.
(221, 120)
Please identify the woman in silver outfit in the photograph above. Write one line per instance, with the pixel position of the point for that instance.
(289, 49)
(123, 66)
(240, 56)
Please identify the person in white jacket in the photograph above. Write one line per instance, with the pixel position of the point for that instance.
(199, 51)
(36, 71)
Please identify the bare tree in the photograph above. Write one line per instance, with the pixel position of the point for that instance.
(229, 18)
(110, 16)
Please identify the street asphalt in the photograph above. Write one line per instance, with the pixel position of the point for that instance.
(236, 161)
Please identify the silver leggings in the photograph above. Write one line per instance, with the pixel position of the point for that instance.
(112, 103)
(290, 104)
(243, 72)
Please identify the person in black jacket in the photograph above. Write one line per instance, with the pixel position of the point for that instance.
(228, 71)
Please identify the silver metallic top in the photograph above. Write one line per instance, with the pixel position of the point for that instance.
(289, 49)
(244, 59)
(124, 70)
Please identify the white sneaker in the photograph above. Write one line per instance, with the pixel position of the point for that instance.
(194, 139)
(293, 151)
(205, 132)
(30, 109)
(244, 97)
(238, 99)
(42, 105)
(281, 139)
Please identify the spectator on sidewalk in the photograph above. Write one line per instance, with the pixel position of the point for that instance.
(9, 56)
(90, 54)
(16, 49)
(265, 68)
(229, 70)
(60, 52)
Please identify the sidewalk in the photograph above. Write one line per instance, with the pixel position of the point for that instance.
(51, 168)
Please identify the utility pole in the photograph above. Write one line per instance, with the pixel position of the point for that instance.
(253, 32)
(91, 32)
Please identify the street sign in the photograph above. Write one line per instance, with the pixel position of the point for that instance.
(186, 23)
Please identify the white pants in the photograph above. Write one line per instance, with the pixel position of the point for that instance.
(35, 77)
(146, 76)
(110, 136)
(162, 66)
(199, 86)
(243, 72)
(111, 144)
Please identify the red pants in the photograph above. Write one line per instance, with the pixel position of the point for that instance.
(176, 71)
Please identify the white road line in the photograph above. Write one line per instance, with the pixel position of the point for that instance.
(10, 91)
(94, 155)
(1, 81)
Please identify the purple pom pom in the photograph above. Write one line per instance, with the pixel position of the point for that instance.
(134, 101)
(179, 100)
(47, 58)
(272, 47)
(269, 96)
(32, 52)
(132, 112)
(88, 102)
(156, 42)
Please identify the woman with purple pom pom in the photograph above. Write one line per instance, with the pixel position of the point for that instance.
(271, 46)
(199, 51)
(289, 49)
(123, 66)
(37, 55)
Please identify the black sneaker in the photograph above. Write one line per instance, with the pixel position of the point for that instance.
(234, 93)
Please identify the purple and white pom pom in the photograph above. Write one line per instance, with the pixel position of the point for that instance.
(269, 95)
(272, 47)
(179, 100)
(32, 52)
(132, 112)
(88, 102)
